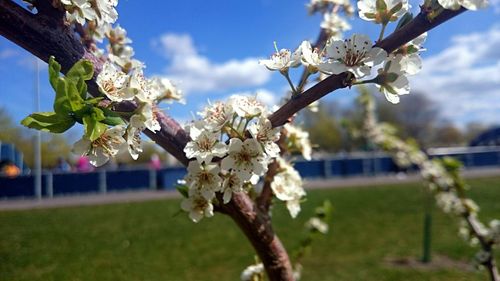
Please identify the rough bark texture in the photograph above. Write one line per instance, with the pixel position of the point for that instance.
(44, 34)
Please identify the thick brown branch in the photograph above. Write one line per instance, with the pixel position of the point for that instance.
(258, 229)
(412, 30)
(45, 35)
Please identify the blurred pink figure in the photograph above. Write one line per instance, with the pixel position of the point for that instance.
(155, 162)
(83, 165)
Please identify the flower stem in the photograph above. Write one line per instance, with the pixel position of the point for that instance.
(294, 91)
(381, 36)
(364, 82)
(303, 81)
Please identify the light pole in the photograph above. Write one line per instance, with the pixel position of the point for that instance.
(37, 138)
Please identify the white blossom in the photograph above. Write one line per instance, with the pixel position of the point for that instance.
(392, 81)
(265, 134)
(112, 82)
(311, 58)
(282, 60)
(245, 159)
(102, 149)
(335, 24)
(287, 186)
(245, 106)
(316, 224)
(107, 11)
(217, 115)
(298, 139)
(141, 87)
(79, 11)
(251, 271)
(410, 60)
(204, 145)
(134, 141)
(232, 183)
(146, 118)
(203, 179)
(166, 90)
(355, 55)
(198, 207)
(468, 4)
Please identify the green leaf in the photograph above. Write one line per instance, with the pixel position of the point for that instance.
(381, 6)
(396, 8)
(93, 128)
(54, 69)
(183, 190)
(99, 114)
(75, 100)
(83, 69)
(94, 101)
(370, 15)
(48, 121)
(81, 86)
(112, 118)
(61, 103)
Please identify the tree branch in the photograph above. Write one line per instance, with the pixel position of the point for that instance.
(44, 35)
(410, 31)
(258, 229)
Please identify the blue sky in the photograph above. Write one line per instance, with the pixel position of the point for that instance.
(211, 49)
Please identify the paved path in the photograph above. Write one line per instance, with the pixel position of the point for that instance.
(147, 195)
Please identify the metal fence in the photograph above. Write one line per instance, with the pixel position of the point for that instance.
(347, 165)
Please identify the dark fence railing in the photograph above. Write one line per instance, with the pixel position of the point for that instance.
(102, 181)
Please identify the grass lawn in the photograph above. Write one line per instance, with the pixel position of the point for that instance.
(148, 241)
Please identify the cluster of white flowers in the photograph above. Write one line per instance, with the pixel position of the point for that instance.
(333, 23)
(230, 149)
(121, 79)
(356, 54)
(98, 12)
(297, 140)
(468, 4)
(287, 186)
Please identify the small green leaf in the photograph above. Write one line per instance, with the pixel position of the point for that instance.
(61, 103)
(183, 190)
(99, 114)
(93, 128)
(75, 100)
(381, 6)
(48, 121)
(81, 86)
(370, 15)
(94, 101)
(112, 118)
(54, 69)
(405, 19)
(83, 69)
(411, 49)
(396, 8)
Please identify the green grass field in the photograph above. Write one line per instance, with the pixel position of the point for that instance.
(147, 241)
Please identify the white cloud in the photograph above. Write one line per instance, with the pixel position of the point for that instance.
(465, 78)
(8, 53)
(196, 73)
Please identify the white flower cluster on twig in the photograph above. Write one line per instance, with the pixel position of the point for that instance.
(231, 147)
